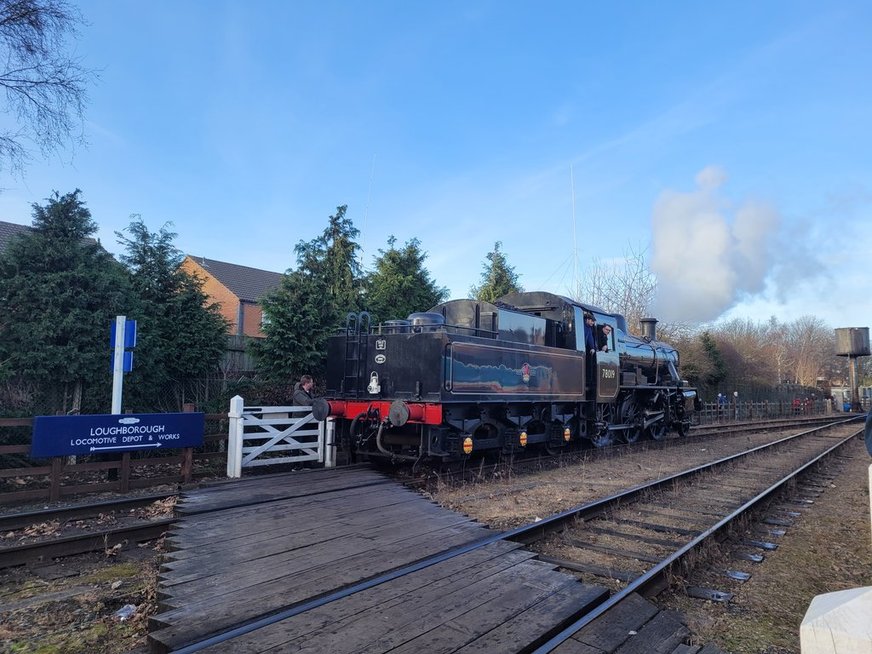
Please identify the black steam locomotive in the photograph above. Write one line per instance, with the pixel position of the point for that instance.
(473, 377)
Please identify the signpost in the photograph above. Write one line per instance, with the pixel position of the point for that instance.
(93, 434)
(122, 361)
(115, 435)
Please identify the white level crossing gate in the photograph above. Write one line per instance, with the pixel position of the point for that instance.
(270, 435)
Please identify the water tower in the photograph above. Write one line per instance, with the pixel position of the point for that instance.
(853, 342)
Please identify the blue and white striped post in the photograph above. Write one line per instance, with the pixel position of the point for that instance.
(122, 337)
(118, 364)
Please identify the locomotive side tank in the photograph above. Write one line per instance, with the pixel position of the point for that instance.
(470, 376)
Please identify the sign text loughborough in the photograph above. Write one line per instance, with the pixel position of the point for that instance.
(92, 434)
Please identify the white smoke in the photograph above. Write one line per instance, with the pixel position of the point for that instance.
(707, 254)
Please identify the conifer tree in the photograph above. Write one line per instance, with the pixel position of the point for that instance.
(180, 335)
(310, 303)
(59, 292)
(299, 320)
(717, 370)
(334, 255)
(497, 278)
(400, 284)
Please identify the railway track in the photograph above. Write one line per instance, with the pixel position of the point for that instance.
(662, 514)
(677, 516)
(91, 536)
(481, 470)
(729, 427)
(21, 520)
(96, 541)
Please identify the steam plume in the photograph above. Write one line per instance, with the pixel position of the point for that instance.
(706, 254)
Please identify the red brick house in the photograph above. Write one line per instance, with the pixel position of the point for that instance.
(237, 289)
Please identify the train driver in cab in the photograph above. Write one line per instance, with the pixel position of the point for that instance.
(604, 338)
(589, 338)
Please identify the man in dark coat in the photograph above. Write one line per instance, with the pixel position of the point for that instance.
(604, 338)
(303, 391)
(589, 337)
(590, 347)
(869, 431)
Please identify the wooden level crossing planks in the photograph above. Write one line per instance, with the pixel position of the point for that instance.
(266, 488)
(635, 626)
(329, 561)
(241, 553)
(494, 599)
(250, 549)
(241, 561)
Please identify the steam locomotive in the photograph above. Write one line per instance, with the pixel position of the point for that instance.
(470, 377)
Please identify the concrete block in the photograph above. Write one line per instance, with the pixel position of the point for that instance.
(838, 623)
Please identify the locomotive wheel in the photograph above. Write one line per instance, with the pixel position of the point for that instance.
(601, 436)
(657, 431)
(552, 448)
(629, 415)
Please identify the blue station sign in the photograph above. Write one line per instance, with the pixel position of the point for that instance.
(92, 434)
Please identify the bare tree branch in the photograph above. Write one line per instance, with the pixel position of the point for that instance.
(626, 286)
(44, 87)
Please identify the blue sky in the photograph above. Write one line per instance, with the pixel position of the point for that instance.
(728, 141)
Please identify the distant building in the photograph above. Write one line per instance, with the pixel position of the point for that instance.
(8, 231)
(238, 289)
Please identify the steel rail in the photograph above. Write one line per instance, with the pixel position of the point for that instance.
(13, 521)
(594, 507)
(82, 543)
(698, 432)
(524, 534)
(731, 426)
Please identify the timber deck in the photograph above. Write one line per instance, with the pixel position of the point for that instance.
(271, 551)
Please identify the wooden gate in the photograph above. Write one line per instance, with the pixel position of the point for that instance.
(271, 435)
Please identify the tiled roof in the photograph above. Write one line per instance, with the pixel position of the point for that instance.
(248, 284)
(8, 230)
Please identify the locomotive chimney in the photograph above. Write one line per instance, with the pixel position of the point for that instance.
(649, 329)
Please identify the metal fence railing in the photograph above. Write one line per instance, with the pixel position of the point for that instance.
(713, 412)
